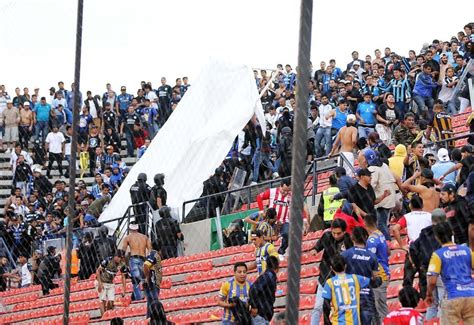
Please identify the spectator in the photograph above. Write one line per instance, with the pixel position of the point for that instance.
(360, 261)
(458, 213)
(351, 286)
(127, 127)
(139, 245)
(333, 243)
(406, 132)
(280, 199)
(377, 244)
(426, 189)
(347, 139)
(41, 119)
(440, 124)
(234, 293)
(409, 298)
(423, 91)
(442, 166)
(323, 139)
(153, 275)
(105, 275)
(5, 275)
(400, 88)
(22, 175)
(366, 116)
(388, 117)
(383, 152)
(168, 233)
(48, 267)
(158, 315)
(465, 164)
(263, 250)
(10, 118)
(96, 208)
(87, 256)
(55, 147)
(25, 271)
(262, 292)
(454, 264)
(26, 124)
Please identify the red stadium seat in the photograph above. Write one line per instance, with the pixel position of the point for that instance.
(396, 273)
(397, 257)
(307, 302)
(392, 291)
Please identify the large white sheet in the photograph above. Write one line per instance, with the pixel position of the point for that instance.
(197, 136)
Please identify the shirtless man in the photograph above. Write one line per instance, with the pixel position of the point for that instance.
(139, 245)
(346, 139)
(426, 189)
(25, 125)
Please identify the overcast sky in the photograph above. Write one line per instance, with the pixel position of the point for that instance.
(127, 41)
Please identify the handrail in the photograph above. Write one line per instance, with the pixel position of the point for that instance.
(431, 143)
(248, 188)
(462, 78)
(10, 256)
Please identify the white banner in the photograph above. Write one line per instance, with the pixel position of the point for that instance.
(197, 136)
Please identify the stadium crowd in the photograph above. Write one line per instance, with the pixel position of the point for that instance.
(359, 111)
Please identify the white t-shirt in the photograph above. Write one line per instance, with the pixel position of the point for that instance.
(55, 141)
(25, 271)
(415, 221)
(325, 122)
(152, 97)
(61, 101)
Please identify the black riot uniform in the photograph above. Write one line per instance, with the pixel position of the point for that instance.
(158, 191)
(140, 195)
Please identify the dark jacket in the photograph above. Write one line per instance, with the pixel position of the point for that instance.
(422, 248)
(96, 103)
(262, 294)
(43, 185)
(331, 248)
(458, 215)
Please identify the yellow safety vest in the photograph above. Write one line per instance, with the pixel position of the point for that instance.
(331, 207)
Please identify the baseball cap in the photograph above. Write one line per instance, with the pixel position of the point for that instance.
(364, 172)
(427, 173)
(351, 118)
(133, 226)
(27, 103)
(371, 157)
(450, 188)
(37, 170)
(356, 62)
(9, 101)
(443, 154)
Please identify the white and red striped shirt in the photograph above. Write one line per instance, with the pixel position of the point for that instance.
(281, 203)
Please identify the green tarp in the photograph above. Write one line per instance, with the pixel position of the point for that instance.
(225, 221)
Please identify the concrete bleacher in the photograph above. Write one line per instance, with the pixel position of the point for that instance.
(190, 283)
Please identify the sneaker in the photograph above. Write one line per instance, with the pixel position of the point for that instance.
(275, 175)
(281, 257)
(253, 183)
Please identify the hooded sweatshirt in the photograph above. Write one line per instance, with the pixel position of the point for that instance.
(396, 162)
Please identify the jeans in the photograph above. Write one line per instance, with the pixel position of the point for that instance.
(382, 221)
(130, 144)
(136, 271)
(259, 320)
(257, 160)
(43, 128)
(151, 293)
(424, 104)
(284, 238)
(380, 297)
(434, 310)
(364, 131)
(401, 107)
(323, 141)
(318, 306)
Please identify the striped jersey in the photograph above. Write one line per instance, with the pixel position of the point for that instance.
(231, 289)
(400, 89)
(442, 126)
(281, 203)
(343, 291)
(261, 255)
(404, 316)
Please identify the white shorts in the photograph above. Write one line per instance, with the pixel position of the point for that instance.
(107, 293)
(350, 158)
(11, 134)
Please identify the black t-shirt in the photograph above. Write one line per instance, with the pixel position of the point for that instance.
(3, 282)
(467, 167)
(388, 114)
(130, 120)
(94, 142)
(109, 119)
(331, 248)
(363, 198)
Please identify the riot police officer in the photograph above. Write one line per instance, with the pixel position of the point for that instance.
(140, 195)
(158, 193)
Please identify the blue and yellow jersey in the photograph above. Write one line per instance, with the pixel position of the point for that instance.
(231, 289)
(377, 244)
(343, 290)
(454, 263)
(261, 255)
(266, 228)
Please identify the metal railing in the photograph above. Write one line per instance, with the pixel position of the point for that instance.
(312, 168)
